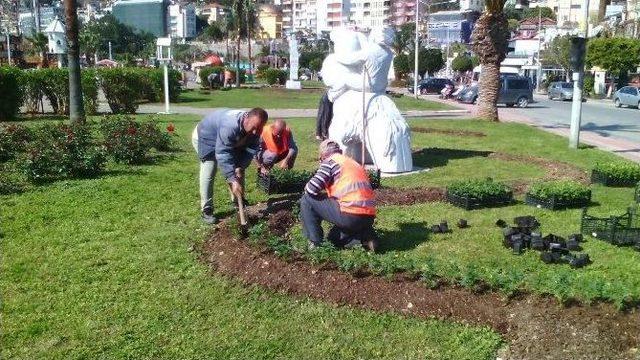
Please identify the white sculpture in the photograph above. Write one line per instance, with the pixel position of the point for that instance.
(294, 57)
(387, 136)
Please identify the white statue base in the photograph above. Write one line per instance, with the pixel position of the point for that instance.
(293, 85)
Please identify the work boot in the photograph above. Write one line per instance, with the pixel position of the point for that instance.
(371, 244)
(353, 244)
(207, 216)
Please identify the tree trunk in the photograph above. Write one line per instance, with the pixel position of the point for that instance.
(76, 110)
(490, 86)
(238, 64)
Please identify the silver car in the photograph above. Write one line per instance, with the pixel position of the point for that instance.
(560, 90)
(627, 95)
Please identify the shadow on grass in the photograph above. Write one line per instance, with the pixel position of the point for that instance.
(407, 237)
(435, 157)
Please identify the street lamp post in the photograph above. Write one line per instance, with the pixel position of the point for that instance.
(578, 78)
(415, 60)
(8, 46)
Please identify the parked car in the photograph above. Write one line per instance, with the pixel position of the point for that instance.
(627, 95)
(514, 90)
(560, 90)
(431, 85)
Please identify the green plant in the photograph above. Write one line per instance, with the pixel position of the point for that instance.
(13, 140)
(62, 151)
(11, 92)
(462, 63)
(123, 88)
(589, 82)
(401, 66)
(10, 181)
(154, 84)
(478, 189)
(206, 71)
(565, 191)
(275, 76)
(289, 181)
(619, 173)
(90, 86)
(124, 139)
(155, 136)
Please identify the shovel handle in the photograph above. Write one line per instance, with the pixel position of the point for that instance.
(243, 219)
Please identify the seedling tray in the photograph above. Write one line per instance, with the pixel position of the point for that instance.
(469, 203)
(554, 203)
(618, 230)
(600, 178)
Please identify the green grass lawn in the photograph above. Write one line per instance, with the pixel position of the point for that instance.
(279, 98)
(100, 268)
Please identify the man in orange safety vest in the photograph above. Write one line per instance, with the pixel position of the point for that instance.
(276, 146)
(339, 193)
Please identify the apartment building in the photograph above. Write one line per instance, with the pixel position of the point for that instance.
(181, 21)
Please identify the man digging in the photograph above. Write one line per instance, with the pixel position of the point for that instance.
(340, 193)
(228, 138)
(276, 147)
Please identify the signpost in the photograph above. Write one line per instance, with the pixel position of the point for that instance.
(163, 54)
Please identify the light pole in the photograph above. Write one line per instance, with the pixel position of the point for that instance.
(415, 60)
(578, 47)
(8, 46)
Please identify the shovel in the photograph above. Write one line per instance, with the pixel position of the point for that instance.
(241, 215)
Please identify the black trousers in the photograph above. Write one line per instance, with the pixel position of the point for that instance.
(325, 114)
(347, 227)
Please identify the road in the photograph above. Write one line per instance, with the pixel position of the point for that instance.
(598, 116)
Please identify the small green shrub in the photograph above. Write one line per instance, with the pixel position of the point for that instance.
(90, 86)
(588, 84)
(156, 137)
(11, 92)
(124, 140)
(10, 181)
(564, 191)
(153, 80)
(62, 151)
(32, 88)
(478, 189)
(275, 76)
(123, 88)
(13, 140)
(618, 173)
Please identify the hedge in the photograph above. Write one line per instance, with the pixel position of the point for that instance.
(11, 92)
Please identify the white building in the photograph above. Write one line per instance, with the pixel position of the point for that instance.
(367, 14)
(181, 21)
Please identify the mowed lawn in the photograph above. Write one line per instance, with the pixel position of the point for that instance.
(103, 268)
(279, 98)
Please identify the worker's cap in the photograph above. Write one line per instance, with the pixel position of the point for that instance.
(329, 146)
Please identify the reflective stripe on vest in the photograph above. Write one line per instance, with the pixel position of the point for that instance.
(352, 188)
(268, 137)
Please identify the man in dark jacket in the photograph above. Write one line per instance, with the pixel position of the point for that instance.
(229, 139)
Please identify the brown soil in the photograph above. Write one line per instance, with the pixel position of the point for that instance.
(554, 169)
(426, 130)
(534, 327)
(280, 222)
(397, 196)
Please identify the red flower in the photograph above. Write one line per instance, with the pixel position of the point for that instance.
(131, 130)
(171, 128)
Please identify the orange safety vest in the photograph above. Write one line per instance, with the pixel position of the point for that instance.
(269, 139)
(352, 189)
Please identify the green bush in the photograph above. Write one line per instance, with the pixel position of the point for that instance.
(129, 141)
(478, 189)
(462, 63)
(122, 87)
(90, 87)
(153, 80)
(401, 66)
(10, 181)
(289, 181)
(275, 76)
(260, 71)
(31, 84)
(619, 173)
(62, 151)
(589, 82)
(13, 140)
(206, 71)
(11, 92)
(564, 191)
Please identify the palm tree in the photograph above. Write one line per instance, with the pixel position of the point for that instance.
(252, 24)
(39, 45)
(489, 41)
(237, 9)
(76, 109)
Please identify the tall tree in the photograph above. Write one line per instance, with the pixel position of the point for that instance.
(403, 38)
(557, 54)
(616, 55)
(238, 9)
(89, 44)
(76, 109)
(39, 45)
(489, 41)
